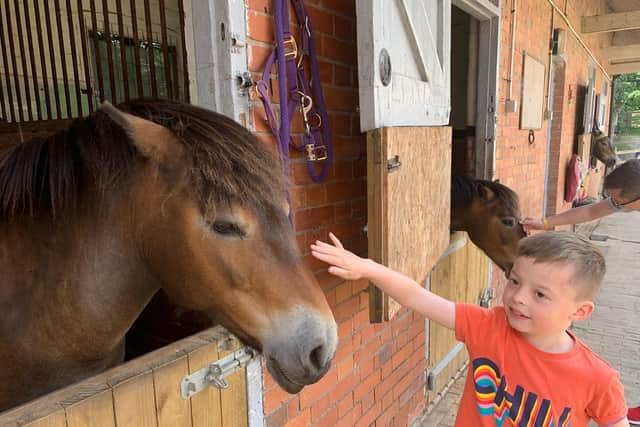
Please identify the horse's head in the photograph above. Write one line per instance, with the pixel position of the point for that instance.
(491, 216)
(602, 149)
(210, 214)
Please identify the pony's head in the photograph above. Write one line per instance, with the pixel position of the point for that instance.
(490, 213)
(602, 149)
(209, 213)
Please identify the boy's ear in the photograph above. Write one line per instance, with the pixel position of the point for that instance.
(583, 311)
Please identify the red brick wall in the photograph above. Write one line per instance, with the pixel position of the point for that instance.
(378, 372)
(519, 164)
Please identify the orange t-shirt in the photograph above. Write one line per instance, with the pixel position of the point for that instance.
(512, 383)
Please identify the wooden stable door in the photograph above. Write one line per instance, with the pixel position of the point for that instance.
(462, 275)
(146, 392)
(404, 91)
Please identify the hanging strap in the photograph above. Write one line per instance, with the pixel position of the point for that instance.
(297, 92)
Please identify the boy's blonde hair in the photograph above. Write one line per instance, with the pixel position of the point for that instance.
(570, 248)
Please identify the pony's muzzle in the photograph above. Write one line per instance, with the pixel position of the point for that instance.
(300, 351)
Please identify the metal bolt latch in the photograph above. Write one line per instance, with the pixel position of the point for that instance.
(215, 374)
(393, 163)
(244, 80)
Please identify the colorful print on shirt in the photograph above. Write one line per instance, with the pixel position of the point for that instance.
(511, 408)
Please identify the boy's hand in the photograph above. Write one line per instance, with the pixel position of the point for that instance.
(343, 263)
(531, 224)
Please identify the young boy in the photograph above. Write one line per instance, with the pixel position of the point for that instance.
(525, 368)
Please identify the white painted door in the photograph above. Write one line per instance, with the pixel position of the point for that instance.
(404, 62)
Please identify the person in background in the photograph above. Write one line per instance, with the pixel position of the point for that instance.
(622, 186)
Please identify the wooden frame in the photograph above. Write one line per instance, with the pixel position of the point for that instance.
(221, 59)
(145, 392)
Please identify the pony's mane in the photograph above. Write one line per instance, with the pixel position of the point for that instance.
(51, 175)
(464, 189)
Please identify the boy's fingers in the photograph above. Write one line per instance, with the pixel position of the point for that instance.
(337, 271)
(324, 249)
(335, 240)
(323, 244)
(326, 257)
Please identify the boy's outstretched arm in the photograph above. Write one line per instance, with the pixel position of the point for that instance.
(400, 287)
(621, 423)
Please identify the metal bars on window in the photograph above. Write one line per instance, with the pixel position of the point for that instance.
(60, 58)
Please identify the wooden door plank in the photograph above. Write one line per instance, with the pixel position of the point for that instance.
(172, 409)
(460, 277)
(56, 419)
(233, 400)
(94, 411)
(205, 406)
(134, 402)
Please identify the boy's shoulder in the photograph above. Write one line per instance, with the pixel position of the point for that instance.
(593, 360)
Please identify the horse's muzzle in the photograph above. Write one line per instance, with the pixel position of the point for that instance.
(300, 349)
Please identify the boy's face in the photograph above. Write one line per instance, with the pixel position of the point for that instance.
(627, 204)
(540, 299)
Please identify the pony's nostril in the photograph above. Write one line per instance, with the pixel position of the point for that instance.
(316, 357)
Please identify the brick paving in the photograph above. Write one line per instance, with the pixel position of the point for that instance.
(613, 331)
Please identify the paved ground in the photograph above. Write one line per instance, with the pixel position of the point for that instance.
(614, 329)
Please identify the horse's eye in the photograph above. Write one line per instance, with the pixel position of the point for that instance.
(508, 222)
(228, 229)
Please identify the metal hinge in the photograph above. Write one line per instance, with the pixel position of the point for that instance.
(429, 380)
(215, 374)
(487, 295)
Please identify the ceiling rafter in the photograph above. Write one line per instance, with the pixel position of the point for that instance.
(619, 21)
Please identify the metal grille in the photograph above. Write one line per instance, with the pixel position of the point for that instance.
(60, 58)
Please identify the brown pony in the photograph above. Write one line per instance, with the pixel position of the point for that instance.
(97, 218)
(602, 148)
(490, 213)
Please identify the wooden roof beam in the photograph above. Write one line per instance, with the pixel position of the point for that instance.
(625, 68)
(609, 22)
(613, 53)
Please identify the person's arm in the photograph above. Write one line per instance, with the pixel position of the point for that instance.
(401, 288)
(572, 216)
(621, 423)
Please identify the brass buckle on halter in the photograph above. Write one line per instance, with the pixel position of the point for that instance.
(315, 152)
(290, 43)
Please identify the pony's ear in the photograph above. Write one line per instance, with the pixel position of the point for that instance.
(151, 139)
(486, 194)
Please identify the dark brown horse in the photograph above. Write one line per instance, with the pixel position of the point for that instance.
(490, 213)
(602, 148)
(97, 218)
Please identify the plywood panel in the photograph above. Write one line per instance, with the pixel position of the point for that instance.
(532, 93)
(94, 411)
(584, 147)
(409, 206)
(172, 409)
(205, 406)
(134, 402)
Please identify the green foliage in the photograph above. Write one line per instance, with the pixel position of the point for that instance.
(626, 96)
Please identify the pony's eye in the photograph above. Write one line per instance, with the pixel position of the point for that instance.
(508, 221)
(228, 229)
